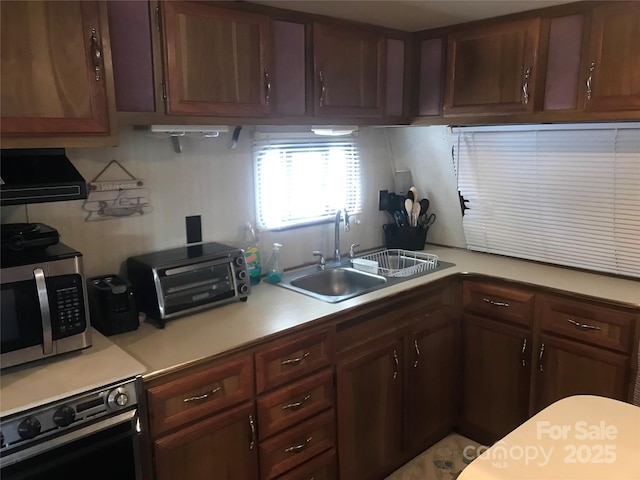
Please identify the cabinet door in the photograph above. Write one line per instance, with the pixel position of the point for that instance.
(224, 446)
(370, 411)
(431, 379)
(492, 69)
(349, 71)
(496, 377)
(613, 79)
(568, 368)
(53, 68)
(218, 61)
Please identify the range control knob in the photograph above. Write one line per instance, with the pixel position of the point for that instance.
(242, 274)
(118, 398)
(243, 288)
(29, 428)
(64, 416)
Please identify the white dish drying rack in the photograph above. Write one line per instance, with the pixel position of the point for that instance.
(396, 263)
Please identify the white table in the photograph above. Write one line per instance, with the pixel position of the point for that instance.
(582, 437)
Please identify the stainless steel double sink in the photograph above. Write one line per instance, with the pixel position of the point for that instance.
(341, 282)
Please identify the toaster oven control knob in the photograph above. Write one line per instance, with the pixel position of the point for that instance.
(242, 274)
(29, 428)
(64, 416)
(239, 261)
(118, 398)
(243, 288)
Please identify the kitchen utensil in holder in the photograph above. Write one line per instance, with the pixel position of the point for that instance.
(407, 238)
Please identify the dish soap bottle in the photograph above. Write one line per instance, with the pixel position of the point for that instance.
(274, 270)
(251, 254)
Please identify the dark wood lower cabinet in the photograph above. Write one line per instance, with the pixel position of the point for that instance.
(370, 411)
(496, 377)
(222, 446)
(431, 382)
(568, 368)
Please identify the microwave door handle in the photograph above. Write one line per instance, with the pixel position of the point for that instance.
(45, 313)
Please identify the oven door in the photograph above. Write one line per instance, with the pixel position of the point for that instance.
(106, 454)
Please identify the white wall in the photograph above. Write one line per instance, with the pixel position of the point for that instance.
(207, 179)
(210, 180)
(426, 151)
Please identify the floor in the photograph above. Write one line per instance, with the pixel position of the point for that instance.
(444, 461)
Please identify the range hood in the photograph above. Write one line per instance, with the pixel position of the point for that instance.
(37, 176)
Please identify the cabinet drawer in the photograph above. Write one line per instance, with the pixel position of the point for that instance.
(286, 360)
(297, 445)
(586, 322)
(323, 467)
(500, 303)
(198, 394)
(288, 405)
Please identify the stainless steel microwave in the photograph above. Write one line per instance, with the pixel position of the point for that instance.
(43, 304)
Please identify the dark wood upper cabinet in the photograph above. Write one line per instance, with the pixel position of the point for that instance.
(349, 71)
(613, 63)
(218, 61)
(492, 69)
(56, 69)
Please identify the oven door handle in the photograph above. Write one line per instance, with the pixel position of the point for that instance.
(45, 312)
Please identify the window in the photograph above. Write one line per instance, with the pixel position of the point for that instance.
(305, 181)
(568, 195)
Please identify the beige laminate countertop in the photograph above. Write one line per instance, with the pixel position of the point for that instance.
(583, 437)
(63, 376)
(271, 310)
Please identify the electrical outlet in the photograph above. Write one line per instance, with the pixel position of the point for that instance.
(383, 200)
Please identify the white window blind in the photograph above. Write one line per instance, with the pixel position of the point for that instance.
(304, 181)
(568, 195)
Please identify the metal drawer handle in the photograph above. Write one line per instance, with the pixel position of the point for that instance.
(252, 425)
(296, 405)
(267, 84)
(296, 361)
(203, 396)
(525, 86)
(592, 67)
(297, 448)
(396, 364)
(540, 357)
(582, 326)
(495, 304)
(524, 349)
(96, 54)
(415, 345)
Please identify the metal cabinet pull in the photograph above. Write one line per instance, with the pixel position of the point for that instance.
(252, 425)
(267, 87)
(524, 349)
(415, 345)
(592, 67)
(321, 99)
(396, 364)
(296, 361)
(525, 86)
(495, 304)
(296, 405)
(540, 357)
(203, 396)
(96, 54)
(582, 326)
(297, 448)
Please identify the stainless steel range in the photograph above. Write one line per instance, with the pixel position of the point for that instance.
(97, 428)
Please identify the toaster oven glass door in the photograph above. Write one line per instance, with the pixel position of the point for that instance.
(194, 285)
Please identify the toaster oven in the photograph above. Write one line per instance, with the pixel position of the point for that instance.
(179, 281)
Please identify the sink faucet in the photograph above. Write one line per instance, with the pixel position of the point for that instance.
(337, 256)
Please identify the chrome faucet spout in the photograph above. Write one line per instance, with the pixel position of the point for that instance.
(337, 257)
